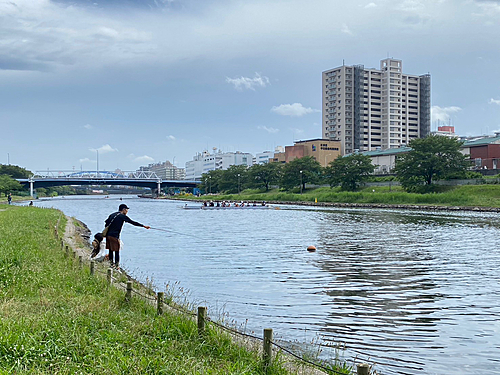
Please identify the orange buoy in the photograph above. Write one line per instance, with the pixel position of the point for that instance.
(311, 248)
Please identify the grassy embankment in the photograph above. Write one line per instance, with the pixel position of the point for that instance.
(15, 198)
(57, 319)
(466, 196)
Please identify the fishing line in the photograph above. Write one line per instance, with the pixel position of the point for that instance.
(173, 231)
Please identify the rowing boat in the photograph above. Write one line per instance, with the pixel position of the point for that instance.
(186, 207)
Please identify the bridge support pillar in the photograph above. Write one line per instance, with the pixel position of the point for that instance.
(31, 188)
(159, 189)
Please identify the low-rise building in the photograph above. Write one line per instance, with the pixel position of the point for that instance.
(323, 151)
(385, 160)
(484, 152)
(205, 162)
(165, 170)
(263, 157)
(446, 131)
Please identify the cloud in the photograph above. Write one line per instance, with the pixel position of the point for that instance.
(248, 83)
(411, 5)
(269, 130)
(88, 126)
(171, 137)
(443, 113)
(370, 5)
(144, 159)
(104, 149)
(345, 29)
(494, 101)
(87, 160)
(294, 110)
(43, 35)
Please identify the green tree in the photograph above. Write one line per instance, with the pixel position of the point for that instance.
(234, 179)
(262, 176)
(8, 184)
(350, 172)
(210, 182)
(432, 158)
(14, 171)
(300, 172)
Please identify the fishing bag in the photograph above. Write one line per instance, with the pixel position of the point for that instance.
(105, 230)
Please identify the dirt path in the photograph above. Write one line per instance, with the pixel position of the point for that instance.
(74, 236)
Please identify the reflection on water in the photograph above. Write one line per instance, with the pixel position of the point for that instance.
(415, 292)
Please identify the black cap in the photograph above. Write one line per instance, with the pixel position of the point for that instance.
(122, 206)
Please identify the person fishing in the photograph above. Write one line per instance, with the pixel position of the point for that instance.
(114, 224)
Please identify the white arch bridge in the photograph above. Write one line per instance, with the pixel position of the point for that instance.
(134, 178)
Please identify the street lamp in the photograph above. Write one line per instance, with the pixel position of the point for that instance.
(300, 182)
(97, 163)
(238, 183)
(210, 184)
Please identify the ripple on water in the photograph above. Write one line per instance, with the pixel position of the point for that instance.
(415, 292)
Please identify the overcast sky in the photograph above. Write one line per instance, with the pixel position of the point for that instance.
(149, 80)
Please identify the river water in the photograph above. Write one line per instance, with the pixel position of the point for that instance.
(413, 292)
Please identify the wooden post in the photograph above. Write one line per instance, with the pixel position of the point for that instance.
(67, 251)
(363, 369)
(92, 267)
(62, 244)
(202, 313)
(110, 274)
(160, 303)
(268, 353)
(128, 295)
(80, 261)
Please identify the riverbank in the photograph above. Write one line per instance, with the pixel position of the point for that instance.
(56, 318)
(482, 198)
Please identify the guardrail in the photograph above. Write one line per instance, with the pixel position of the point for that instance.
(138, 175)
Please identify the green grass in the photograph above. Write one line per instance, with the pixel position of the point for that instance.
(58, 319)
(465, 195)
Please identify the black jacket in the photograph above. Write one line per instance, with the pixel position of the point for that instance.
(116, 220)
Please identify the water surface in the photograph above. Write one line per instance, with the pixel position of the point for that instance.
(414, 292)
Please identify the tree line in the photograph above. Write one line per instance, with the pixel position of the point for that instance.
(8, 175)
(430, 159)
(8, 184)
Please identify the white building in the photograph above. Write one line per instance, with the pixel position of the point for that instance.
(166, 171)
(446, 131)
(368, 109)
(205, 162)
(264, 157)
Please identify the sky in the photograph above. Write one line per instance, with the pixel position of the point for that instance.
(141, 81)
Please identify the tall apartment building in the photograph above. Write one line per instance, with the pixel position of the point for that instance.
(371, 109)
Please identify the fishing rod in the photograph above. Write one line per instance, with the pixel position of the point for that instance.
(173, 231)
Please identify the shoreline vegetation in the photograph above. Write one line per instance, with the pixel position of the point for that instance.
(57, 318)
(483, 198)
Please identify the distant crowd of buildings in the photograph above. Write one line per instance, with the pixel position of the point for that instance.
(376, 112)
